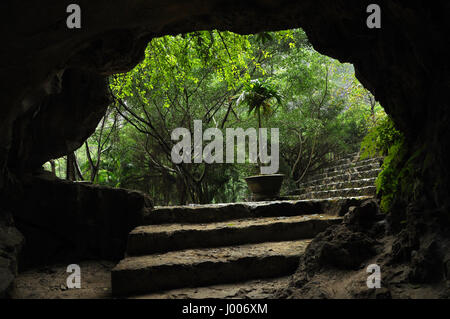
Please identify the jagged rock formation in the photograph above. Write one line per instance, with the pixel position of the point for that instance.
(54, 82)
(347, 177)
(11, 242)
(201, 245)
(75, 221)
(335, 264)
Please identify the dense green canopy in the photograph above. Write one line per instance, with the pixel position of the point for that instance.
(320, 108)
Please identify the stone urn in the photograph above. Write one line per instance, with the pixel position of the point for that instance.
(265, 187)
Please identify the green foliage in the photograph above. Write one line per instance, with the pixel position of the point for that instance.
(325, 112)
(381, 137)
(173, 62)
(388, 180)
(259, 96)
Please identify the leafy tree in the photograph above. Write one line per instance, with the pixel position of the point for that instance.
(325, 113)
(259, 96)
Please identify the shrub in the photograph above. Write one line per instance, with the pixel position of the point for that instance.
(383, 139)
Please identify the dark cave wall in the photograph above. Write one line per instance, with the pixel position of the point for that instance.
(11, 242)
(54, 80)
(42, 136)
(69, 222)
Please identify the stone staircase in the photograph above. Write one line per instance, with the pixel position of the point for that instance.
(201, 246)
(345, 178)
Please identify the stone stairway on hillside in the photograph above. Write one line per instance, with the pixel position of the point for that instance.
(202, 246)
(347, 177)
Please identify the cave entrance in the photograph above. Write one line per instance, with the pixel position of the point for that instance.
(320, 108)
(402, 63)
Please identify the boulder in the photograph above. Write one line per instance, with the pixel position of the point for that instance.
(66, 221)
(11, 242)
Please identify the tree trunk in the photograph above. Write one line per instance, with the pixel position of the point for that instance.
(258, 157)
(53, 165)
(70, 167)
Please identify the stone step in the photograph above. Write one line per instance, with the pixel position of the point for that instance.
(203, 267)
(343, 178)
(195, 214)
(352, 200)
(346, 192)
(346, 166)
(335, 206)
(347, 159)
(252, 289)
(356, 169)
(163, 238)
(338, 185)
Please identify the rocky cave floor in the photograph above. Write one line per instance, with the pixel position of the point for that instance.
(333, 283)
(50, 283)
(334, 265)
